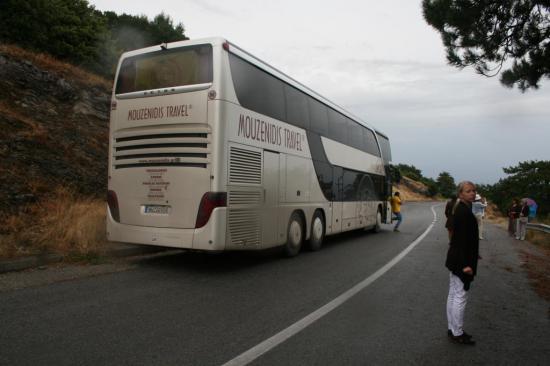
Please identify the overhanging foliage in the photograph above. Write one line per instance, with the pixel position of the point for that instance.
(485, 34)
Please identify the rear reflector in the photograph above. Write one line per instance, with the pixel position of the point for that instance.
(209, 201)
(112, 201)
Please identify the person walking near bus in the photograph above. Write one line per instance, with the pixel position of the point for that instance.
(461, 261)
(396, 210)
(522, 221)
(478, 209)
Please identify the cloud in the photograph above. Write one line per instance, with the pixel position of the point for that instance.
(214, 8)
(383, 63)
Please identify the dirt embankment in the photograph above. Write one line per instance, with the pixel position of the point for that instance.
(411, 190)
(53, 144)
(534, 259)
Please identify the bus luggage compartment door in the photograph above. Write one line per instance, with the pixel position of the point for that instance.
(270, 210)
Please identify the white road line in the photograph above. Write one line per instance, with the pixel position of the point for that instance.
(270, 343)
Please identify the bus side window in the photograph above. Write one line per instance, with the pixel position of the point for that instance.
(355, 135)
(324, 176)
(337, 183)
(318, 117)
(257, 90)
(351, 185)
(337, 128)
(297, 112)
(370, 143)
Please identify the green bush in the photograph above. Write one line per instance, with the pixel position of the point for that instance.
(73, 31)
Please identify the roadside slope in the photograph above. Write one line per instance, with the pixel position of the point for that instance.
(53, 143)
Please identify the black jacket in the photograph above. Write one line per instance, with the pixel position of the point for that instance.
(449, 214)
(464, 248)
(524, 211)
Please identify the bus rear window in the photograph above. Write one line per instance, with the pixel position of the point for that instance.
(165, 69)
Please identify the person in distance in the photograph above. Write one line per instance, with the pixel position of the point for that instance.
(396, 210)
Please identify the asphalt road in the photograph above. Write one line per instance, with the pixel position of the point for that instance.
(187, 308)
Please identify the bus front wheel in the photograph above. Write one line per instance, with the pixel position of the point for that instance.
(317, 231)
(295, 235)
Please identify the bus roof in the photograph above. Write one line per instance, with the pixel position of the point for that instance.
(218, 41)
(281, 75)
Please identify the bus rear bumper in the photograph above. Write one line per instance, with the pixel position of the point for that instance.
(209, 237)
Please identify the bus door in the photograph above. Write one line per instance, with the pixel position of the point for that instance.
(363, 204)
(337, 204)
(270, 209)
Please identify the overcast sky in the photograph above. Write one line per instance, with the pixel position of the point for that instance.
(383, 63)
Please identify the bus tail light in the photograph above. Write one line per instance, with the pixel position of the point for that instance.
(112, 201)
(209, 201)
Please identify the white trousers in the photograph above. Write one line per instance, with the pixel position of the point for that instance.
(456, 305)
(521, 228)
(479, 218)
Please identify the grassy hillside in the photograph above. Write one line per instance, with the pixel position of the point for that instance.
(53, 148)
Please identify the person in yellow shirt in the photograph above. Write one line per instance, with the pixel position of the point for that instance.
(396, 210)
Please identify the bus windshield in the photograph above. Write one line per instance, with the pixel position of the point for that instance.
(165, 69)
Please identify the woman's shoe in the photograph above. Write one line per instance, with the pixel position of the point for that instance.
(463, 339)
(464, 334)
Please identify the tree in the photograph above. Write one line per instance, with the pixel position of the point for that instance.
(73, 31)
(131, 32)
(162, 30)
(395, 174)
(528, 179)
(485, 34)
(70, 30)
(433, 188)
(446, 184)
(410, 171)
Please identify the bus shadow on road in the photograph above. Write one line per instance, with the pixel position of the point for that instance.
(224, 262)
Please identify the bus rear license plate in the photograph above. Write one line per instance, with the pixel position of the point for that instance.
(156, 209)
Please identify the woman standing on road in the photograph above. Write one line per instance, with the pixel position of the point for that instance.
(513, 215)
(462, 261)
(449, 214)
(522, 220)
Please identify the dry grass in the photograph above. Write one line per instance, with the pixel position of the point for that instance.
(539, 238)
(537, 265)
(494, 216)
(47, 62)
(70, 223)
(64, 223)
(535, 262)
(33, 131)
(407, 194)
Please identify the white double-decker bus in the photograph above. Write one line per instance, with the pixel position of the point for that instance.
(212, 149)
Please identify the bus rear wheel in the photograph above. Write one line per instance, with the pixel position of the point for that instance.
(317, 231)
(295, 235)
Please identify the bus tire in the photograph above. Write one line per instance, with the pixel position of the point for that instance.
(378, 225)
(295, 235)
(317, 231)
